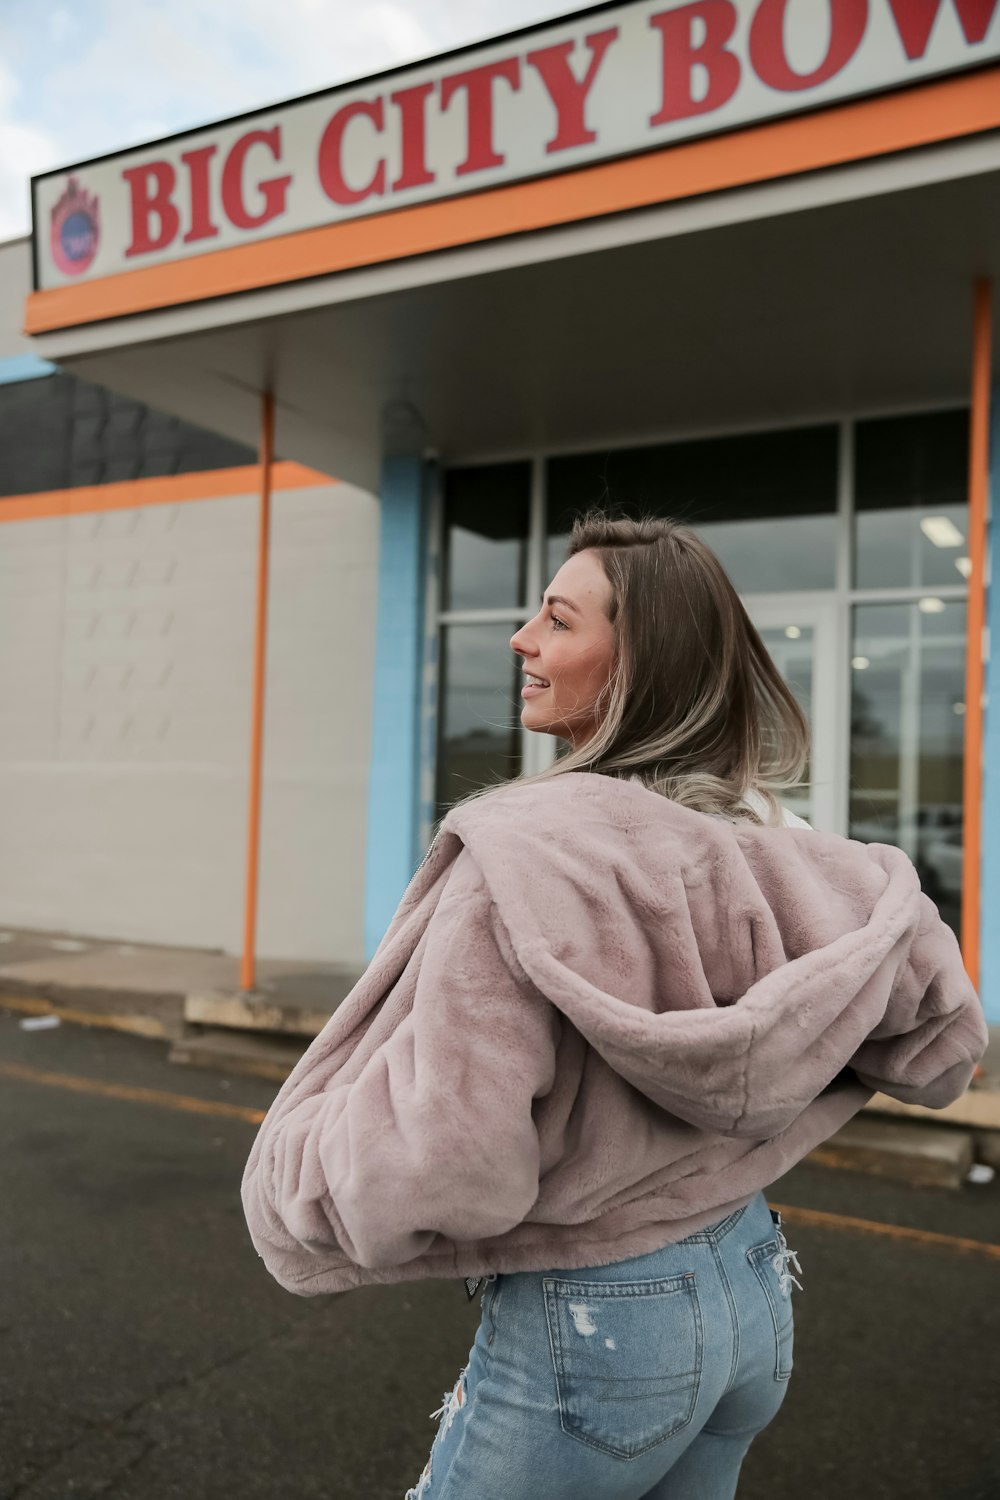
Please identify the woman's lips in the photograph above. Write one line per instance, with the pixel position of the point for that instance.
(532, 689)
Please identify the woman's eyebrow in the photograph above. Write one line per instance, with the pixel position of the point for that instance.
(558, 599)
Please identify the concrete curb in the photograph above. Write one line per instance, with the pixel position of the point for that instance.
(272, 1058)
(978, 1108)
(113, 1010)
(912, 1152)
(249, 1012)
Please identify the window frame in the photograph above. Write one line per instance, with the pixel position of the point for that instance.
(539, 750)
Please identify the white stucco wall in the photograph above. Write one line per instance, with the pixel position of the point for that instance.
(126, 642)
(15, 284)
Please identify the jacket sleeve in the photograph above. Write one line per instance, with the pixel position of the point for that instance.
(925, 1048)
(435, 1135)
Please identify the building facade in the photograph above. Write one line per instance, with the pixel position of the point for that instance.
(128, 562)
(707, 260)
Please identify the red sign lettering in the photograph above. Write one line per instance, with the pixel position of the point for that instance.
(197, 162)
(478, 85)
(704, 51)
(275, 189)
(331, 171)
(915, 20)
(848, 19)
(413, 136)
(151, 189)
(567, 92)
(681, 56)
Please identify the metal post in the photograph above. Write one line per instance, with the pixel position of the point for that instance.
(972, 789)
(248, 966)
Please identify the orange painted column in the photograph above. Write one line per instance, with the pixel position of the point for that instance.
(972, 790)
(248, 965)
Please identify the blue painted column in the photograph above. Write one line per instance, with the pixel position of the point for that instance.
(989, 943)
(20, 367)
(394, 808)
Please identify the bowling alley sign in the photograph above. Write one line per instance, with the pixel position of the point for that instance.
(606, 82)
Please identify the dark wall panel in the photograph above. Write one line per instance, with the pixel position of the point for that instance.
(57, 433)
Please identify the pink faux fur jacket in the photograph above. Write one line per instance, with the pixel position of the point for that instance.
(599, 1021)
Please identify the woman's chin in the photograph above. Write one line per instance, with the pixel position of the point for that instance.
(535, 718)
(540, 722)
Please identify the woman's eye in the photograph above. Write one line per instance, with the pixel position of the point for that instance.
(556, 621)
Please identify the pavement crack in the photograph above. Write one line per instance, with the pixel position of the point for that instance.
(196, 1377)
(119, 1425)
(130, 1467)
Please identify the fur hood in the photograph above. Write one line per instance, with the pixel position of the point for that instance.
(597, 1022)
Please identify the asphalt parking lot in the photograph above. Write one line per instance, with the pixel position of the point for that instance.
(148, 1354)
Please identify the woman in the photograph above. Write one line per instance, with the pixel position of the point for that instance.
(617, 1001)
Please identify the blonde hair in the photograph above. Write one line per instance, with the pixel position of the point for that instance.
(694, 706)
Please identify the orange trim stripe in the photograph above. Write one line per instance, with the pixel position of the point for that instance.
(815, 1218)
(132, 1093)
(979, 481)
(172, 489)
(917, 116)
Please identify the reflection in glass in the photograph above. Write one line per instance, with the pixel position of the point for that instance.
(792, 649)
(479, 730)
(911, 521)
(764, 502)
(907, 738)
(486, 513)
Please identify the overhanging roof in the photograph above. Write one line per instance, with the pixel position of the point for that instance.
(846, 290)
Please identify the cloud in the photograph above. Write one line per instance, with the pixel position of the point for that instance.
(24, 150)
(107, 74)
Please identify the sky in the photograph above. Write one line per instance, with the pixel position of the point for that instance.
(82, 78)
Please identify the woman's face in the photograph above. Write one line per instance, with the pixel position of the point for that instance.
(569, 645)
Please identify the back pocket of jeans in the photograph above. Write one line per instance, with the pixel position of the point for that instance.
(627, 1357)
(765, 1260)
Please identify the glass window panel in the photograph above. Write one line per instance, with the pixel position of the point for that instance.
(486, 517)
(911, 512)
(765, 502)
(479, 733)
(793, 655)
(907, 739)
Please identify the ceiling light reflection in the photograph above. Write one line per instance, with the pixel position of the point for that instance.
(941, 530)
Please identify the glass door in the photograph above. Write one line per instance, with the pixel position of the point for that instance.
(800, 633)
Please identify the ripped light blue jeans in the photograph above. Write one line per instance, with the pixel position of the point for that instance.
(644, 1380)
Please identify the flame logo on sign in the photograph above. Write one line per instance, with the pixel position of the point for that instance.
(76, 229)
